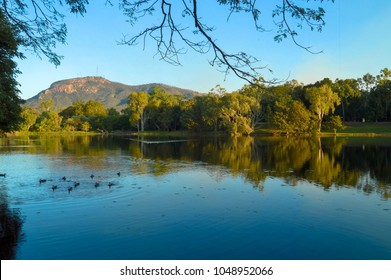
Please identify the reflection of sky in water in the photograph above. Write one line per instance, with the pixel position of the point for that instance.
(159, 209)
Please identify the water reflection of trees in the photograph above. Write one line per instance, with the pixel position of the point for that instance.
(10, 228)
(364, 164)
(328, 162)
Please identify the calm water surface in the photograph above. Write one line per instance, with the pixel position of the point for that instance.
(213, 198)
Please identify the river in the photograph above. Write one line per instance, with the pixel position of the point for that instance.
(195, 198)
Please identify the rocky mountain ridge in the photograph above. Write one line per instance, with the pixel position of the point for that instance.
(112, 94)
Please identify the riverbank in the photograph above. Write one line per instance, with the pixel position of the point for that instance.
(369, 129)
(75, 133)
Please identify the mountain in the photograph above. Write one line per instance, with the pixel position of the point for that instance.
(112, 94)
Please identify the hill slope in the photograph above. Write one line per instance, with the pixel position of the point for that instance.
(111, 94)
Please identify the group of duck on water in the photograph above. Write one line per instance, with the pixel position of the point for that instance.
(75, 184)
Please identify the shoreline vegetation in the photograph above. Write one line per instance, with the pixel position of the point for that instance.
(352, 129)
(351, 107)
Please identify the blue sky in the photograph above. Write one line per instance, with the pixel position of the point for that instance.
(356, 40)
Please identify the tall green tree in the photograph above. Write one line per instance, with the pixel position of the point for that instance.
(380, 96)
(292, 116)
(191, 114)
(29, 117)
(235, 113)
(211, 110)
(9, 93)
(346, 89)
(137, 103)
(322, 101)
(94, 109)
(255, 94)
(48, 121)
(46, 105)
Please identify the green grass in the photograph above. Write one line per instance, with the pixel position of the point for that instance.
(28, 133)
(368, 128)
(351, 129)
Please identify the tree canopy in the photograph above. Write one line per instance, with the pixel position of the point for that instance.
(9, 93)
(180, 26)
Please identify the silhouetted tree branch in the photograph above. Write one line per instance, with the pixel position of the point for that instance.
(179, 28)
(201, 40)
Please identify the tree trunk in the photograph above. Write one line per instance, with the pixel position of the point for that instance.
(143, 119)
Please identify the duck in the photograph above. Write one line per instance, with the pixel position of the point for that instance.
(54, 187)
(2, 174)
(42, 181)
(64, 178)
(111, 184)
(92, 176)
(119, 174)
(70, 189)
(76, 184)
(96, 184)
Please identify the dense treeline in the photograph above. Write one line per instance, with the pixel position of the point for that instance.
(292, 108)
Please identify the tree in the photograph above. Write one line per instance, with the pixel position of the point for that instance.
(377, 92)
(346, 90)
(163, 109)
(255, 94)
(235, 112)
(322, 101)
(76, 109)
(211, 110)
(72, 124)
(181, 21)
(291, 115)
(191, 114)
(9, 93)
(29, 116)
(137, 102)
(334, 123)
(48, 121)
(94, 109)
(46, 105)
(367, 82)
(383, 91)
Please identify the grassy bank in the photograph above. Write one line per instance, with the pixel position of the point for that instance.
(351, 129)
(367, 129)
(72, 133)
